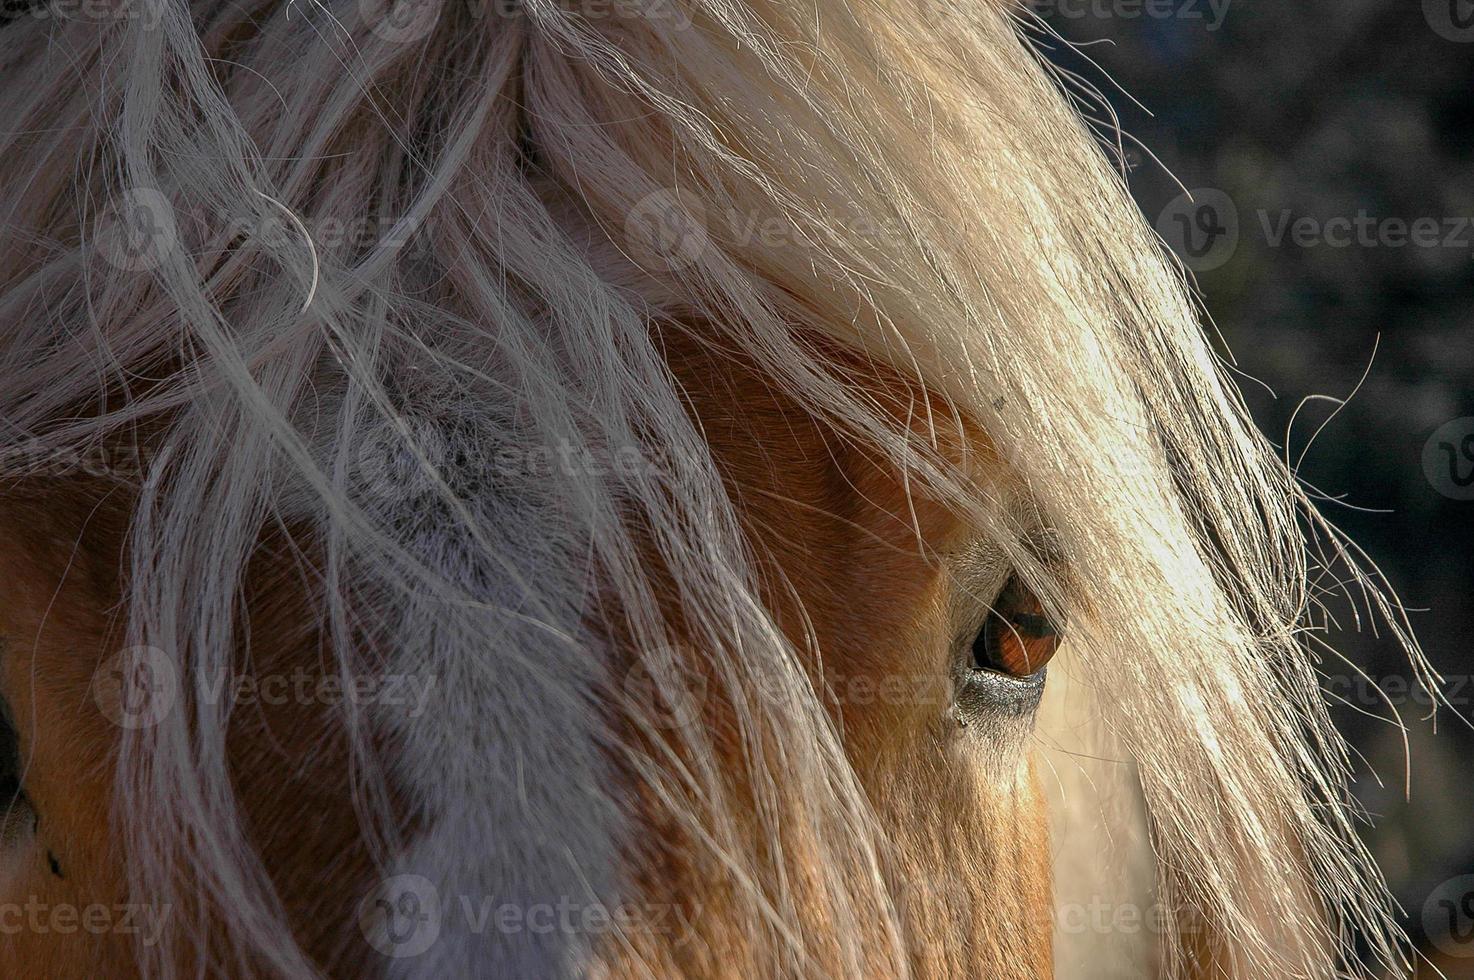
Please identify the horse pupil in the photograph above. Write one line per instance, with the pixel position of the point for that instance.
(1031, 625)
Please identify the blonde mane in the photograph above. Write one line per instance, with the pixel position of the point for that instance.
(548, 190)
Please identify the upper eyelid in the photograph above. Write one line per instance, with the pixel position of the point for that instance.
(980, 569)
(977, 563)
(1043, 543)
(1046, 548)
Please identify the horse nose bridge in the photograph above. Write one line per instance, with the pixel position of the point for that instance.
(502, 758)
(518, 830)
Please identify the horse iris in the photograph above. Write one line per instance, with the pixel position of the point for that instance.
(1018, 638)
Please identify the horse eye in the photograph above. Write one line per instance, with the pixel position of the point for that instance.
(17, 818)
(1018, 638)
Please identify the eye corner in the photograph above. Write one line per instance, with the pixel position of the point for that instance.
(17, 815)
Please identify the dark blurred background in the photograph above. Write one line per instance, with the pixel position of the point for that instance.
(1330, 148)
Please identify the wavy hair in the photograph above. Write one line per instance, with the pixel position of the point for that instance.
(526, 200)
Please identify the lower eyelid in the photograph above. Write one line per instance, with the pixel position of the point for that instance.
(987, 694)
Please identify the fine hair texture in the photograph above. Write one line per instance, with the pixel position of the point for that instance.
(549, 189)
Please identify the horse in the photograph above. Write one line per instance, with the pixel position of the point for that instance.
(603, 488)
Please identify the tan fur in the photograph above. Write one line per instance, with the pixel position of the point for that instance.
(58, 618)
(863, 597)
(925, 197)
(850, 580)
